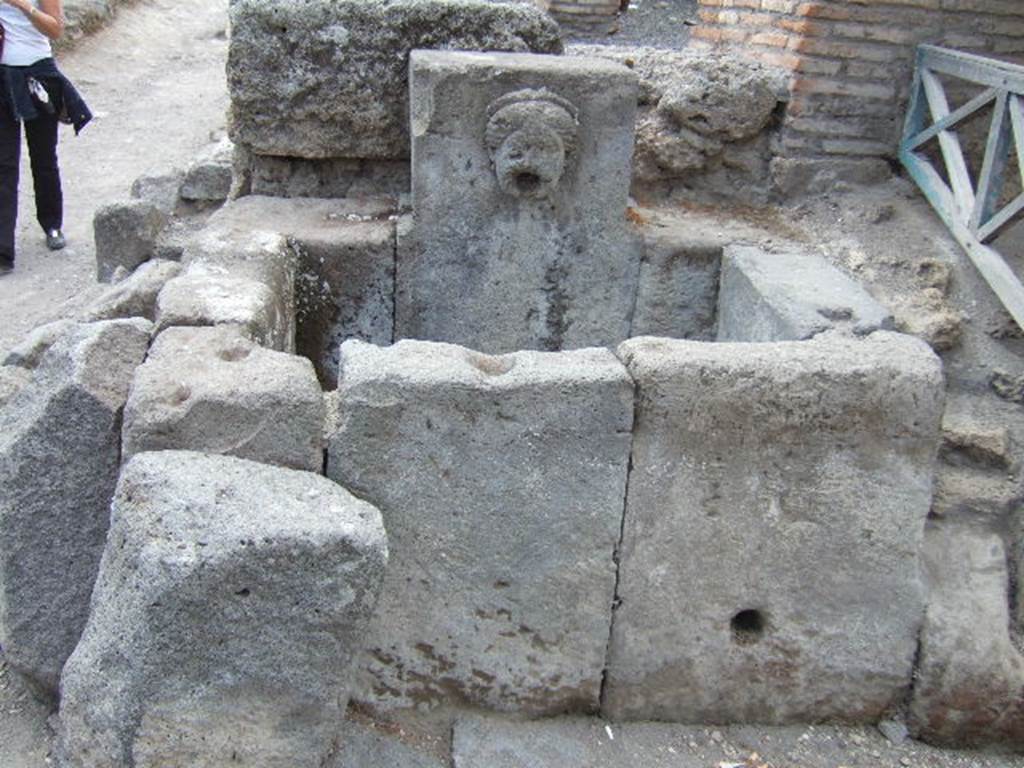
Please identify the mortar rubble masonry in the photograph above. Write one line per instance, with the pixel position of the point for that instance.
(501, 481)
(306, 110)
(790, 297)
(770, 562)
(59, 458)
(231, 601)
(521, 168)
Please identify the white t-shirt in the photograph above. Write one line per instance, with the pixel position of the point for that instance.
(23, 43)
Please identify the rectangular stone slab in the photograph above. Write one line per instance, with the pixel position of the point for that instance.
(770, 563)
(501, 481)
(500, 266)
(789, 297)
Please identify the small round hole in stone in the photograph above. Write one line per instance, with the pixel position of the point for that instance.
(748, 626)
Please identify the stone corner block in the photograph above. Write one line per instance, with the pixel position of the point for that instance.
(59, 458)
(770, 563)
(231, 601)
(215, 391)
(790, 297)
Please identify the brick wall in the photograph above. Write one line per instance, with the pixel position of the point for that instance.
(852, 59)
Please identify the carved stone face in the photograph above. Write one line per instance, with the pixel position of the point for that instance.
(530, 136)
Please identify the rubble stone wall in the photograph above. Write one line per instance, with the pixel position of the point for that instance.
(851, 62)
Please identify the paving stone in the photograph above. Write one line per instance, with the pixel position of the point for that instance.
(790, 296)
(213, 390)
(770, 562)
(364, 747)
(135, 296)
(501, 483)
(520, 238)
(59, 457)
(126, 235)
(340, 84)
(969, 683)
(230, 603)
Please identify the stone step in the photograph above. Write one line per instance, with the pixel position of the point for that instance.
(481, 742)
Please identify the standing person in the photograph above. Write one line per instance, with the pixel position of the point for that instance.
(33, 92)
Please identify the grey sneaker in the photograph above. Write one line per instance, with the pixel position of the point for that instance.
(55, 240)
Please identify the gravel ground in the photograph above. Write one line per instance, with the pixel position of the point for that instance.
(652, 23)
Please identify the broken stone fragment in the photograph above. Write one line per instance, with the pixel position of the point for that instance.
(135, 296)
(59, 458)
(340, 84)
(126, 235)
(790, 297)
(208, 179)
(510, 472)
(770, 562)
(159, 190)
(214, 390)
(230, 604)
(235, 276)
(28, 352)
(12, 380)
(969, 687)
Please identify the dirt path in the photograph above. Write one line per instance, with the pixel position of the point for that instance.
(155, 80)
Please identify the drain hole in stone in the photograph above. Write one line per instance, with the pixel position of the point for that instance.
(244, 592)
(748, 627)
(527, 182)
(491, 365)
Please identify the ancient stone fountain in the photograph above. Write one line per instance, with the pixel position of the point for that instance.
(581, 516)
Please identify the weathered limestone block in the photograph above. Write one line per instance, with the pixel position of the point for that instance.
(235, 275)
(59, 457)
(678, 288)
(29, 351)
(213, 390)
(340, 86)
(770, 563)
(230, 603)
(135, 296)
(501, 482)
(126, 235)
(208, 179)
(789, 297)
(345, 275)
(521, 170)
(969, 687)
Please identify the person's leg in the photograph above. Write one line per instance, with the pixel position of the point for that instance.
(41, 134)
(10, 155)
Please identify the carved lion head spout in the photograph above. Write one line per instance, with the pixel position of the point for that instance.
(530, 136)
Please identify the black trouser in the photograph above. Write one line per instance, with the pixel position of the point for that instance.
(41, 135)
